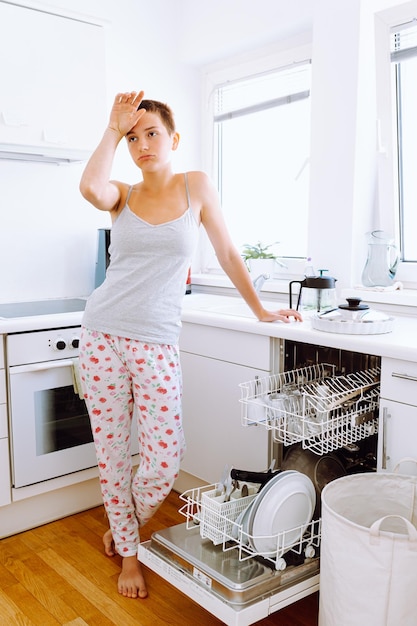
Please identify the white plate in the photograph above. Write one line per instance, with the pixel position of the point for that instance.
(242, 520)
(243, 517)
(286, 503)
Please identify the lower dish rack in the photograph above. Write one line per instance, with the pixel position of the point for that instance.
(314, 406)
(224, 525)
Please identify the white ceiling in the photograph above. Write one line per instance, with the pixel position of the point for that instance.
(215, 29)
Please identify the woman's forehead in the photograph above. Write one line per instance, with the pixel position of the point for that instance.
(148, 120)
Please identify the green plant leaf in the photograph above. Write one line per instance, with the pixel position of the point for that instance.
(258, 251)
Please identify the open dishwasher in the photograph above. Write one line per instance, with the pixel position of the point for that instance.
(249, 547)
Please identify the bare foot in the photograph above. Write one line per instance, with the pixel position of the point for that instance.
(131, 581)
(108, 543)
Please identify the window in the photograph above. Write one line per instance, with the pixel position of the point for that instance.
(404, 72)
(261, 145)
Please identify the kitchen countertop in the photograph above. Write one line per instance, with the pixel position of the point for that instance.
(39, 322)
(232, 313)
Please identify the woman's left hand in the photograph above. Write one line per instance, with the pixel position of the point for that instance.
(282, 315)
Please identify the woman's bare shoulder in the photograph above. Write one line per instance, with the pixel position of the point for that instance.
(123, 189)
(200, 182)
(198, 177)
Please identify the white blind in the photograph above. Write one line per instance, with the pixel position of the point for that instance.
(262, 91)
(404, 41)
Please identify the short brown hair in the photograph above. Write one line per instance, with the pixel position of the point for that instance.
(163, 110)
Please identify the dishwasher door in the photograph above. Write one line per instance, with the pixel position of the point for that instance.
(237, 593)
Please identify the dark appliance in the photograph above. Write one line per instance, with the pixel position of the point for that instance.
(103, 256)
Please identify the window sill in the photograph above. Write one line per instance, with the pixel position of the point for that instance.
(401, 301)
(222, 285)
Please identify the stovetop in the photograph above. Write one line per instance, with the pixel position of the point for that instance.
(42, 307)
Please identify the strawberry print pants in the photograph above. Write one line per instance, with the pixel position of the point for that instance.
(125, 379)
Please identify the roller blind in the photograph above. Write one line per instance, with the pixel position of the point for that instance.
(404, 42)
(262, 91)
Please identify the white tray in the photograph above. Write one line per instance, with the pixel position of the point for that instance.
(352, 327)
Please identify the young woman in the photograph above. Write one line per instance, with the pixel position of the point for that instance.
(129, 355)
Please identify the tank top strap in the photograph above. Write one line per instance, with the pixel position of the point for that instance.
(128, 194)
(187, 190)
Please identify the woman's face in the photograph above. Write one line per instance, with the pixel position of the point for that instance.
(149, 142)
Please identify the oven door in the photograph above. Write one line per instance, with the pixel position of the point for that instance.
(50, 427)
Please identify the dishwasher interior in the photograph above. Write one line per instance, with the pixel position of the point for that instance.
(245, 553)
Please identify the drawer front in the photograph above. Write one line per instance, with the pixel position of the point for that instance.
(227, 345)
(399, 380)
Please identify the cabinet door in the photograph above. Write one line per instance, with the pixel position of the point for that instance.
(399, 380)
(52, 78)
(211, 413)
(397, 438)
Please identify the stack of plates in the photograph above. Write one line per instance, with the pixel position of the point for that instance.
(274, 520)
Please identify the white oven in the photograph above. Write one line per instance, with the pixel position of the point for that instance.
(50, 429)
(49, 423)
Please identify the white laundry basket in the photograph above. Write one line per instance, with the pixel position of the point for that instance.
(368, 565)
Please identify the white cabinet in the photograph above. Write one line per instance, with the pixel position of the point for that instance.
(398, 415)
(53, 80)
(214, 362)
(5, 489)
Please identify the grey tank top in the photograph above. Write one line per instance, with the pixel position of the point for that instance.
(142, 293)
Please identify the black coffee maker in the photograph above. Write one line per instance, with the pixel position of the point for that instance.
(316, 293)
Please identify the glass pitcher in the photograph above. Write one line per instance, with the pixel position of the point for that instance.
(381, 263)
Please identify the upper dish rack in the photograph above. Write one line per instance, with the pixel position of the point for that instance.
(314, 406)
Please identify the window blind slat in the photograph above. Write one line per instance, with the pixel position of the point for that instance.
(402, 55)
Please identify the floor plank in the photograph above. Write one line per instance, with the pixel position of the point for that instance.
(59, 574)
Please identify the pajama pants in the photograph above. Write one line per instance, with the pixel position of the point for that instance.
(124, 379)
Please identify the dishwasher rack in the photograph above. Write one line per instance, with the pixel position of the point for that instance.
(219, 522)
(314, 406)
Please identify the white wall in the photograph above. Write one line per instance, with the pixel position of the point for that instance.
(344, 147)
(47, 231)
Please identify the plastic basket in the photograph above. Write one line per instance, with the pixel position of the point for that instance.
(217, 517)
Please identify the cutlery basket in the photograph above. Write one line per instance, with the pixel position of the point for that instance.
(217, 517)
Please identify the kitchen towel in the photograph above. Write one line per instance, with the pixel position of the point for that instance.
(76, 380)
(394, 287)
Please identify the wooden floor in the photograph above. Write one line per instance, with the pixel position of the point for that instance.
(58, 574)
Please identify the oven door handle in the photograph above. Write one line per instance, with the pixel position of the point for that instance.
(41, 367)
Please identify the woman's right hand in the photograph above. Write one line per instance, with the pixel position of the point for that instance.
(124, 114)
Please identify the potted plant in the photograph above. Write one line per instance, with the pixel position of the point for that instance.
(258, 258)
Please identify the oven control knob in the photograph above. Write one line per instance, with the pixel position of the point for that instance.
(59, 344)
(75, 342)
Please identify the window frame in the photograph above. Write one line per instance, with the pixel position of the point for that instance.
(387, 149)
(278, 57)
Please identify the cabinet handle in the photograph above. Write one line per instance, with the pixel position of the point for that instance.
(385, 416)
(404, 376)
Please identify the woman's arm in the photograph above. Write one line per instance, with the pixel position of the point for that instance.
(95, 185)
(227, 254)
